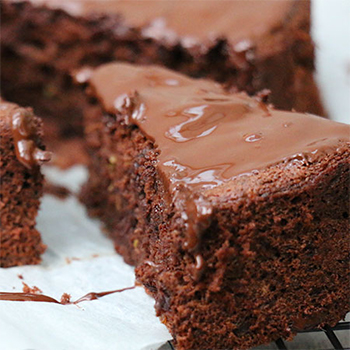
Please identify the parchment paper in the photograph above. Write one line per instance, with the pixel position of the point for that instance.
(79, 260)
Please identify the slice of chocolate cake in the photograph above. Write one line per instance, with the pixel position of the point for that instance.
(248, 45)
(21, 153)
(235, 214)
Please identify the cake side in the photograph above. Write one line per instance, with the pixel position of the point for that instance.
(234, 258)
(295, 59)
(121, 177)
(41, 47)
(21, 152)
(267, 264)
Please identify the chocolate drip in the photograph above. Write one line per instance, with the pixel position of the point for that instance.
(193, 207)
(24, 134)
(94, 296)
(27, 297)
(9, 296)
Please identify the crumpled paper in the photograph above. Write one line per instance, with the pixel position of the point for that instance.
(79, 260)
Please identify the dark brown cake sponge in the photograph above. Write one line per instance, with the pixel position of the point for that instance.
(21, 152)
(236, 215)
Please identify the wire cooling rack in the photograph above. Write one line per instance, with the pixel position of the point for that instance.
(329, 331)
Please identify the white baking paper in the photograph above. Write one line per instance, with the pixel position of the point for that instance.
(79, 260)
(331, 33)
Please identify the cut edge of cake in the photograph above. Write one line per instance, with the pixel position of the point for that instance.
(22, 153)
(258, 257)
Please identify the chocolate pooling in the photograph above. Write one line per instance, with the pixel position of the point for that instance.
(24, 132)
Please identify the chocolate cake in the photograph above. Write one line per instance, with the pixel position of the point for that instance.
(247, 45)
(21, 153)
(235, 214)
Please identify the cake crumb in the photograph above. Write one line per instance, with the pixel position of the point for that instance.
(65, 298)
(69, 260)
(135, 243)
(58, 191)
(112, 160)
(31, 290)
(20, 276)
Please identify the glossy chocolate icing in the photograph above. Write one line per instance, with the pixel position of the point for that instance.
(207, 137)
(188, 21)
(9, 296)
(25, 133)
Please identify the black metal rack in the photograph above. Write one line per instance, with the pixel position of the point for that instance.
(329, 331)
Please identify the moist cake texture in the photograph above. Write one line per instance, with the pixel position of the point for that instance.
(21, 153)
(235, 214)
(247, 45)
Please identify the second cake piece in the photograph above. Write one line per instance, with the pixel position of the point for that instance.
(235, 214)
(21, 185)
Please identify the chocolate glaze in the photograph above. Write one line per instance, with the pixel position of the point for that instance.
(204, 20)
(94, 296)
(9, 296)
(24, 134)
(206, 136)
(24, 126)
